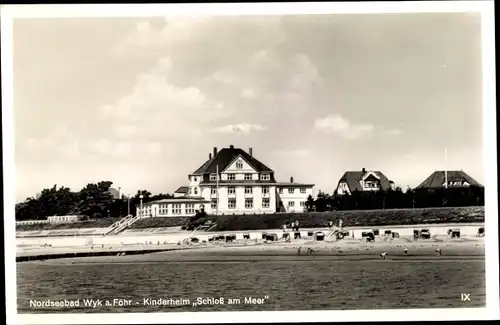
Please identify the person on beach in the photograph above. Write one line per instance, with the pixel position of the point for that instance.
(330, 224)
(406, 251)
(439, 251)
(383, 255)
(298, 250)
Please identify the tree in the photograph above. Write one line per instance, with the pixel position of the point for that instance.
(309, 203)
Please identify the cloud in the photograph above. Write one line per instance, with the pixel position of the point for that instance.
(241, 128)
(223, 77)
(393, 131)
(157, 108)
(248, 93)
(295, 153)
(342, 127)
(305, 75)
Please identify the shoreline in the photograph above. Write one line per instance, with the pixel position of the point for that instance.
(394, 249)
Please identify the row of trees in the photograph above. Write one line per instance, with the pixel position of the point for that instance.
(94, 200)
(397, 199)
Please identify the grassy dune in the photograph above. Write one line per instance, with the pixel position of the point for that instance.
(312, 219)
(354, 218)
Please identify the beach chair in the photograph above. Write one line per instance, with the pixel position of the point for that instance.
(310, 233)
(387, 232)
(395, 235)
(210, 239)
(246, 236)
(194, 240)
(425, 234)
(370, 237)
(376, 232)
(285, 235)
(449, 232)
(455, 233)
(319, 236)
(264, 235)
(296, 235)
(480, 232)
(272, 237)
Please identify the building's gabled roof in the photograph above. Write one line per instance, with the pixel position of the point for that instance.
(352, 179)
(223, 159)
(182, 190)
(438, 178)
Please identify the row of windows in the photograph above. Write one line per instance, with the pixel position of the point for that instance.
(247, 177)
(292, 203)
(248, 190)
(372, 184)
(163, 209)
(291, 190)
(231, 204)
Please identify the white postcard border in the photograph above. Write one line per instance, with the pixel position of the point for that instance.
(491, 311)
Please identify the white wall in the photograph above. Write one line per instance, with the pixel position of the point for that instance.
(240, 197)
(295, 197)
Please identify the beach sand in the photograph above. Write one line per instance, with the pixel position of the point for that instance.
(395, 249)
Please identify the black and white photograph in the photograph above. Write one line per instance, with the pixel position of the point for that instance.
(179, 163)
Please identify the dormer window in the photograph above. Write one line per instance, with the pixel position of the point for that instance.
(231, 177)
(213, 177)
(265, 177)
(239, 164)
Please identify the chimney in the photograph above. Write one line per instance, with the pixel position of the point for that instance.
(209, 156)
(250, 152)
(363, 170)
(120, 193)
(291, 179)
(231, 147)
(215, 151)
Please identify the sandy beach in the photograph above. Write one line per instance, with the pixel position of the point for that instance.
(348, 249)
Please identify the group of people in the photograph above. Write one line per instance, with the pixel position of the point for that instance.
(294, 225)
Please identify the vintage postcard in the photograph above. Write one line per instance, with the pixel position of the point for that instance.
(264, 162)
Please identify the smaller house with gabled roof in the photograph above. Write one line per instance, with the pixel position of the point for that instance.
(363, 180)
(450, 178)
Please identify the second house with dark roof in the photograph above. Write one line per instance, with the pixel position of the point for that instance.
(233, 181)
(363, 180)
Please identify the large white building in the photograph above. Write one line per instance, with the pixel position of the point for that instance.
(232, 181)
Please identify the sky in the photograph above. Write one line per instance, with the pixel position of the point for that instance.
(142, 102)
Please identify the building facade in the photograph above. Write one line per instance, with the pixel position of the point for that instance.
(363, 180)
(233, 181)
(177, 207)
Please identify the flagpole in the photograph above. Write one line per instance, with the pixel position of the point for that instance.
(217, 189)
(445, 167)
